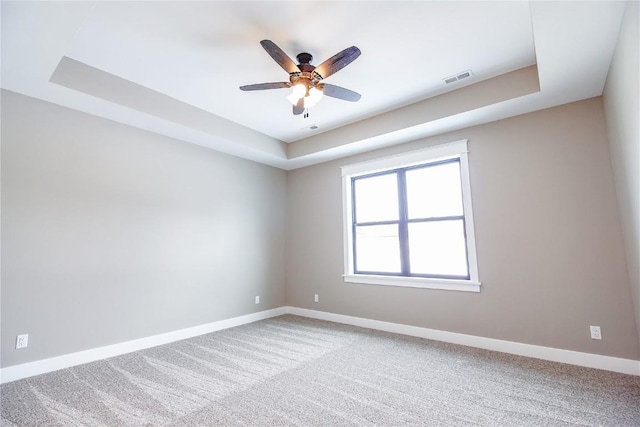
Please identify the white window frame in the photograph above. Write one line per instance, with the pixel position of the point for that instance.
(457, 149)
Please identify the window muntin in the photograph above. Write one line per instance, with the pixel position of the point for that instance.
(454, 214)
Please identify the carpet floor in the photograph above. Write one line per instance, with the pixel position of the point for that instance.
(296, 371)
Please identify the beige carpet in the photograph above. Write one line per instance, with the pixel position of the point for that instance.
(296, 371)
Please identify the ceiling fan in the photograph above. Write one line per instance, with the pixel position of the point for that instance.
(305, 79)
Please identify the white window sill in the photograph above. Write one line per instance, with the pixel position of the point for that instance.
(415, 282)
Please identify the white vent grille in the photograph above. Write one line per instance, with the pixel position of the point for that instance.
(459, 76)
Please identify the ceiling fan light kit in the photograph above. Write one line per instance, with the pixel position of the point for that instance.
(304, 78)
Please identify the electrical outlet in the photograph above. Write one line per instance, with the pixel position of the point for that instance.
(22, 341)
(315, 298)
(595, 332)
(257, 299)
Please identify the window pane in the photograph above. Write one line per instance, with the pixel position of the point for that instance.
(438, 248)
(376, 198)
(434, 191)
(378, 248)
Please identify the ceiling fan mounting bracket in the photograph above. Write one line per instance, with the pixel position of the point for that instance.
(304, 58)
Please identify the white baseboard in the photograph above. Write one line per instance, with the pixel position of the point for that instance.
(607, 363)
(13, 373)
(615, 364)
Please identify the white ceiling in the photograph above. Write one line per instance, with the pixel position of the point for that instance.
(174, 68)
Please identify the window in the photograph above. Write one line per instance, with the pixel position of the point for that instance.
(408, 220)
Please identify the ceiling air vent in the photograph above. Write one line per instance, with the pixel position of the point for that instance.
(459, 76)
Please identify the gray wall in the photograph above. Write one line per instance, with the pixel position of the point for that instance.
(110, 233)
(622, 109)
(550, 250)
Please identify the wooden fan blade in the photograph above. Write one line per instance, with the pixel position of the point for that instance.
(263, 86)
(299, 107)
(340, 93)
(337, 62)
(280, 57)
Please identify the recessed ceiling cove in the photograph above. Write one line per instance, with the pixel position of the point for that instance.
(201, 52)
(174, 68)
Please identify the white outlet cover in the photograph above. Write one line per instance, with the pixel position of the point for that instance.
(22, 341)
(258, 299)
(596, 334)
(315, 298)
